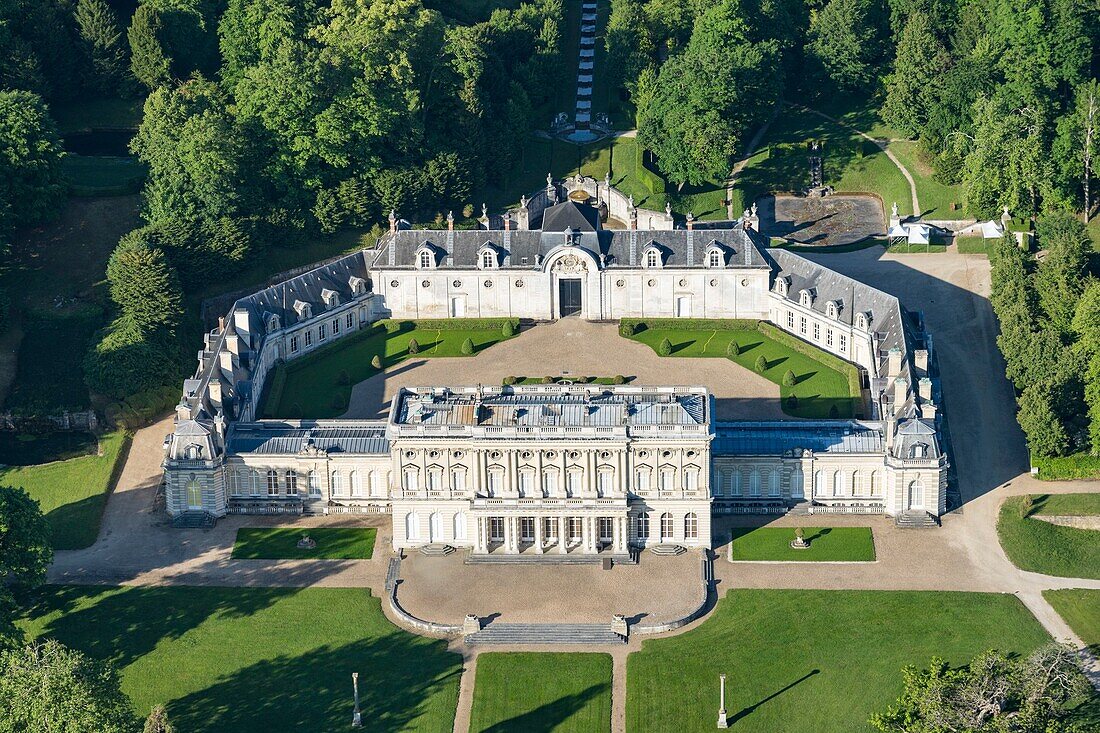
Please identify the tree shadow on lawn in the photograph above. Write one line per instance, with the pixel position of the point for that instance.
(678, 347)
(122, 625)
(548, 717)
(398, 675)
(821, 532)
(75, 525)
(800, 378)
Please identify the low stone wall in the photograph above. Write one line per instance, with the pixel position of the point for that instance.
(424, 627)
(1088, 521)
(707, 579)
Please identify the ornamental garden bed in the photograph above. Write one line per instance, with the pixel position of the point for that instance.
(826, 544)
(812, 383)
(1041, 547)
(319, 384)
(560, 692)
(281, 543)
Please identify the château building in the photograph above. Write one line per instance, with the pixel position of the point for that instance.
(561, 468)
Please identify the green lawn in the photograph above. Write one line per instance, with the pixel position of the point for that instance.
(1067, 504)
(1080, 608)
(826, 543)
(915, 249)
(333, 543)
(72, 493)
(935, 198)
(974, 245)
(819, 661)
(820, 386)
(319, 385)
(851, 163)
(1042, 547)
(29, 449)
(543, 692)
(103, 175)
(257, 659)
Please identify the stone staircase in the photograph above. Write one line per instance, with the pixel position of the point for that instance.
(916, 520)
(548, 558)
(436, 550)
(505, 633)
(668, 550)
(585, 71)
(194, 520)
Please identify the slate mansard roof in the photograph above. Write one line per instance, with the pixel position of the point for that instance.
(290, 438)
(552, 407)
(526, 249)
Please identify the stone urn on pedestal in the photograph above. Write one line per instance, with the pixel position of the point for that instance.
(800, 542)
(307, 543)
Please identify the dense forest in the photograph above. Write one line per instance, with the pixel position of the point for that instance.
(269, 121)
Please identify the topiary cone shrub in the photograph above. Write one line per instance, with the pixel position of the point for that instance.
(619, 379)
(761, 364)
(342, 378)
(833, 412)
(468, 347)
(548, 380)
(507, 330)
(789, 379)
(509, 381)
(734, 349)
(626, 330)
(792, 403)
(376, 362)
(414, 346)
(665, 349)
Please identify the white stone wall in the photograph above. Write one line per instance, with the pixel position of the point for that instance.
(857, 345)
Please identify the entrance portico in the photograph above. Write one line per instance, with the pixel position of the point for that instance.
(511, 531)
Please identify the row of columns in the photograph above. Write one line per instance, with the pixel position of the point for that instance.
(589, 536)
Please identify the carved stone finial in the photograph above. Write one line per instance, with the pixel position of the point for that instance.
(668, 209)
(450, 216)
(894, 209)
(607, 178)
(393, 215)
(484, 211)
(549, 180)
(754, 208)
(523, 201)
(630, 201)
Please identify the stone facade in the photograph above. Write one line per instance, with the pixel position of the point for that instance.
(549, 261)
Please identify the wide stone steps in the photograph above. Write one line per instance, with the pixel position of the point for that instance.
(548, 558)
(916, 520)
(504, 633)
(194, 520)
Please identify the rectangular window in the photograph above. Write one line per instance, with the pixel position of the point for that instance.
(322, 331)
(574, 483)
(643, 481)
(350, 320)
(604, 482)
(314, 484)
(458, 482)
(291, 483)
(790, 319)
(817, 332)
(802, 325)
(294, 344)
(550, 483)
(309, 339)
(335, 326)
(526, 483)
(829, 337)
(843, 344)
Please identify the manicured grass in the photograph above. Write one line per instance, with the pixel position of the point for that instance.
(974, 245)
(1042, 547)
(72, 493)
(25, 449)
(49, 379)
(280, 543)
(1080, 608)
(529, 691)
(826, 543)
(257, 659)
(319, 385)
(1077, 466)
(851, 163)
(818, 389)
(935, 198)
(819, 661)
(1067, 504)
(905, 248)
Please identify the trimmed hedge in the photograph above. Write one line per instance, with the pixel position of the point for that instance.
(694, 324)
(461, 324)
(1076, 466)
(652, 181)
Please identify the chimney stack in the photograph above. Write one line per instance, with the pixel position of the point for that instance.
(925, 388)
(221, 323)
(894, 362)
(690, 220)
(393, 220)
(920, 360)
(928, 411)
(901, 391)
(450, 221)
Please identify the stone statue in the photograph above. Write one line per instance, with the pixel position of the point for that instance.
(894, 210)
(549, 180)
(523, 201)
(607, 178)
(668, 209)
(450, 216)
(484, 211)
(753, 208)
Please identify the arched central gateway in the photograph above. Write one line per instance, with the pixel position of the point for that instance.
(569, 274)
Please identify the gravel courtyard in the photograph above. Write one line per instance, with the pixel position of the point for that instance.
(825, 221)
(572, 346)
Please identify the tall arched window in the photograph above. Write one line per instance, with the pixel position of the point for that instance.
(356, 484)
(237, 483)
(666, 527)
(459, 526)
(412, 527)
(797, 489)
(425, 259)
(754, 483)
(652, 258)
(372, 483)
(838, 483)
(819, 483)
(714, 259)
(337, 484)
(691, 526)
(857, 483)
(735, 482)
(272, 482)
(488, 260)
(642, 529)
(773, 482)
(435, 527)
(254, 483)
(291, 478)
(876, 484)
(314, 483)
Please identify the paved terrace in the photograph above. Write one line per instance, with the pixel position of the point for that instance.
(575, 347)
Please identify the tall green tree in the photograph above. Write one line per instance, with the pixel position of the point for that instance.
(706, 98)
(149, 60)
(143, 284)
(1076, 148)
(103, 42)
(25, 554)
(847, 40)
(1086, 325)
(48, 687)
(32, 186)
(911, 88)
(1060, 277)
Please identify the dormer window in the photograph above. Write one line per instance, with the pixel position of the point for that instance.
(806, 298)
(425, 260)
(832, 309)
(920, 450)
(358, 285)
(331, 298)
(273, 323)
(782, 284)
(863, 321)
(652, 257)
(714, 258)
(487, 259)
(194, 452)
(304, 310)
